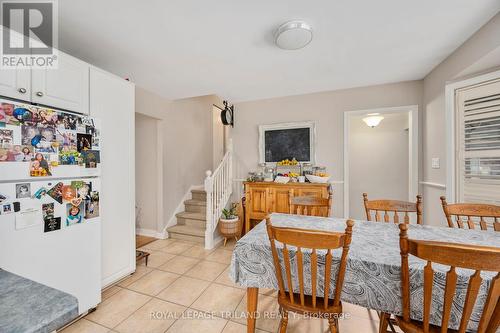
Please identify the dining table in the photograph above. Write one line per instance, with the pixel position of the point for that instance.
(373, 274)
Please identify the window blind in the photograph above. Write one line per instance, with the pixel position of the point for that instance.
(478, 146)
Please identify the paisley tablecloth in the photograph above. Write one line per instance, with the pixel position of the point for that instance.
(372, 277)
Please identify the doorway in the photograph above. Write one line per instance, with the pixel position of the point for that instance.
(148, 176)
(380, 156)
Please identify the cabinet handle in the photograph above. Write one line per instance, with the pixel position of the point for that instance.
(39, 94)
(22, 90)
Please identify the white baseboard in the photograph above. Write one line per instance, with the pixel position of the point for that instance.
(150, 233)
(218, 240)
(117, 277)
(180, 208)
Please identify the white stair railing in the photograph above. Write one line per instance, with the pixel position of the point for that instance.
(219, 187)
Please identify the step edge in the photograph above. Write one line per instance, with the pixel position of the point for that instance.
(192, 216)
(187, 231)
(194, 202)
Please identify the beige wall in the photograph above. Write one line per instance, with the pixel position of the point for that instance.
(474, 56)
(218, 137)
(372, 153)
(188, 125)
(481, 53)
(146, 171)
(187, 140)
(327, 110)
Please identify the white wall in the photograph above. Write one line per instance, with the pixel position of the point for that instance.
(186, 131)
(146, 171)
(378, 160)
(478, 54)
(327, 110)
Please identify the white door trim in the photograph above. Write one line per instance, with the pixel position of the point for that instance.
(450, 126)
(413, 149)
(159, 176)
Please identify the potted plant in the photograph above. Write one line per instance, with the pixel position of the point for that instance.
(229, 224)
(229, 215)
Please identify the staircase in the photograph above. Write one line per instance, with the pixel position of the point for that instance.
(198, 223)
(191, 224)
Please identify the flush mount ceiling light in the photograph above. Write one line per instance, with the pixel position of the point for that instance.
(373, 119)
(293, 35)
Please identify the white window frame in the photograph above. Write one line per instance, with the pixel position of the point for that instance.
(451, 128)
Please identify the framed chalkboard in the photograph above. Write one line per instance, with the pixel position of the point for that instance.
(287, 141)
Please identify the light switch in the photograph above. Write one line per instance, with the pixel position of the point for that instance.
(435, 163)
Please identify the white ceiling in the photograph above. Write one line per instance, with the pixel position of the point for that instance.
(185, 48)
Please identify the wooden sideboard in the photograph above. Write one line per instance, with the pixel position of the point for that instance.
(263, 198)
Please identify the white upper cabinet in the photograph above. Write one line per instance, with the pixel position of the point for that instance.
(15, 83)
(66, 87)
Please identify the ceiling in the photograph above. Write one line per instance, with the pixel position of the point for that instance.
(186, 48)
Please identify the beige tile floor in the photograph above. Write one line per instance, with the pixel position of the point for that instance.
(186, 288)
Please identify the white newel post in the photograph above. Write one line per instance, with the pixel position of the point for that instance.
(209, 182)
(230, 149)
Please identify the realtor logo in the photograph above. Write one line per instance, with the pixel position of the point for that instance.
(29, 34)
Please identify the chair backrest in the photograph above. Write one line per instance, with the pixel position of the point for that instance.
(466, 214)
(313, 240)
(477, 258)
(312, 206)
(392, 206)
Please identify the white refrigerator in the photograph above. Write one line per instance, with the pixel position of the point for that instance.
(50, 230)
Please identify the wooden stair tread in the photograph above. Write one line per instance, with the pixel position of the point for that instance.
(192, 216)
(199, 191)
(187, 230)
(195, 202)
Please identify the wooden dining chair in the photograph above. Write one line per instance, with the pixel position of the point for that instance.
(295, 240)
(395, 207)
(476, 258)
(312, 206)
(465, 214)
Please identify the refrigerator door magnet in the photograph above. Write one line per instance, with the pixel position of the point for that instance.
(52, 224)
(74, 214)
(56, 192)
(68, 192)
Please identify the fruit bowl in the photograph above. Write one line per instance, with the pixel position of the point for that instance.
(281, 179)
(317, 179)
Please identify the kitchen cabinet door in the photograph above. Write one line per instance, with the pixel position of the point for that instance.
(66, 87)
(15, 83)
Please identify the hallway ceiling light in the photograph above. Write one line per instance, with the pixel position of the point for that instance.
(293, 35)
(373, 119)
